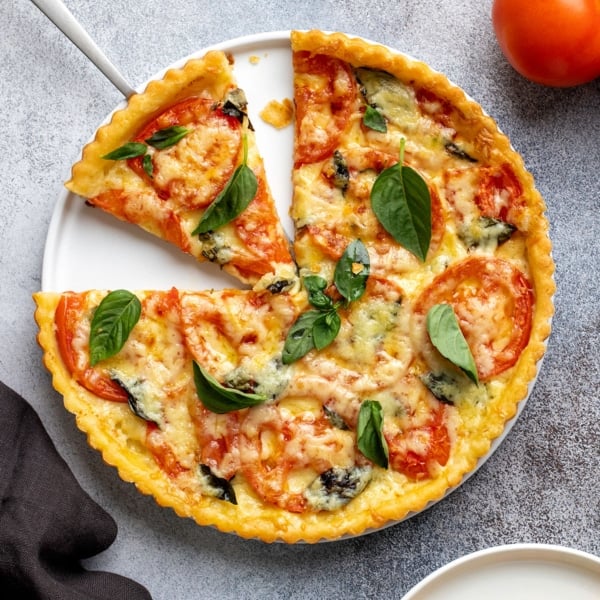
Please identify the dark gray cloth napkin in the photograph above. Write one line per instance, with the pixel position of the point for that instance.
(48, 523)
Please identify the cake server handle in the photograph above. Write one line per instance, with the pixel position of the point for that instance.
(62, 17)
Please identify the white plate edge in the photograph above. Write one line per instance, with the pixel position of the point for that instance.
(508, 553)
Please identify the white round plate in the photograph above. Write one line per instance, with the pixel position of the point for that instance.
(89, 249)
(515, 572)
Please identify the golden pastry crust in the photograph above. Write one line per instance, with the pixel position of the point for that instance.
(472, 426)
(278, 114)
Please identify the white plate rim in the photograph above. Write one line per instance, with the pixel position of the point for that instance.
(506, 553)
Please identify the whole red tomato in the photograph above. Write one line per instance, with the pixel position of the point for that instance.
(553, 42)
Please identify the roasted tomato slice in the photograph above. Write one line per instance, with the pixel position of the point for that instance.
(493, 192)
(258, 228)
(142, 208)
(218, 437)
(493, 302)
(439, 109)
(194, 170)
(161, 451)
(278, 448)
(67, 318)
(499, 193)
(418, 451)
(325, 93)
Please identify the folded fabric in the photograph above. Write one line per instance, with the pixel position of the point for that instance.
(48, 523)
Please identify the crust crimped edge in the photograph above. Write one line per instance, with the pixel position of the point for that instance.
(390, 497)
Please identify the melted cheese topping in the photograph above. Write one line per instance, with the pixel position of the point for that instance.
(196, 168)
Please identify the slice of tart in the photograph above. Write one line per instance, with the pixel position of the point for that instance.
(180, 161)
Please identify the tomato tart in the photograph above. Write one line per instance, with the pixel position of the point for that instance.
(368, 365)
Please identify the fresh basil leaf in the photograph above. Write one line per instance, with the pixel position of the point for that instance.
(164, 138)
(373, 119)
(232, 200)
(369, 433)
(113, 320)
(148, 165)
(318, 328)
(128, 150)
(218, 398)
(325, 329)
(446, 335)
(401, 202)
(315, 285)
(320, 300)
(299, 340)
(352, 271)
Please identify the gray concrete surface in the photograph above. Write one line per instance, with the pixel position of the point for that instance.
(541, 485)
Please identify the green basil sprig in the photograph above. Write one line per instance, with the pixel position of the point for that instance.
(232, 200)
(374, 120)
(312, 329)
(128, 150)
(161, 139)
(352, 271)
(218, 398)
(369, 433)
(401, 202)
(315, 286)
(165, 138)
(148, 165)
(318, 328)
(446, 335)
(113, 320)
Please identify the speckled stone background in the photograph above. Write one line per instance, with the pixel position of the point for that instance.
(541, 485)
